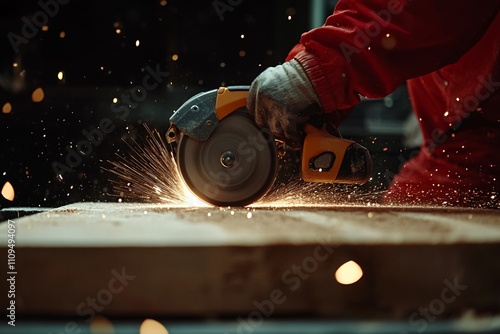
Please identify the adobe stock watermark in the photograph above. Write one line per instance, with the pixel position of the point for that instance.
(292, 278)
(223, 6)
(31, 28)
(11, 272)
(373, 29)
(94, 304)
(121, 109)
(430, 312)
(461, 112)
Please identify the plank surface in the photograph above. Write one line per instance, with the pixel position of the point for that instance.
(120, 224)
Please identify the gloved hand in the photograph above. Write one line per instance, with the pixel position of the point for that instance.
(282, 99)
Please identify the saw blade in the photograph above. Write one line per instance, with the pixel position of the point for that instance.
(235, 166)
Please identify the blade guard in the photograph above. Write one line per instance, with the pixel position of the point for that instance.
(327, 158)
(200, 115)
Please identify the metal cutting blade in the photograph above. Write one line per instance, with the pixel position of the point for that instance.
(234, 167)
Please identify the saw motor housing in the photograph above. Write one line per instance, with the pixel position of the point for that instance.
(325, 156)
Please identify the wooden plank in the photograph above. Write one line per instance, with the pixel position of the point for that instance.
(212, 262)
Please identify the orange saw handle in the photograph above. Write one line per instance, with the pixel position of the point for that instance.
(331, 159)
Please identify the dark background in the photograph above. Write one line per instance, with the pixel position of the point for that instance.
(100, 64)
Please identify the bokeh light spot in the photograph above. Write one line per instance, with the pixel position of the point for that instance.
(8, 191)
(101, 325)
(38, 95)
(7, 108)
(150, 326)
(349, 273)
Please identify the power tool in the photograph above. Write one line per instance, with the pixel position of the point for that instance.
(226, 159)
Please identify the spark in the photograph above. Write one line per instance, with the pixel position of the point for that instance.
(298, 193)
(148, 172)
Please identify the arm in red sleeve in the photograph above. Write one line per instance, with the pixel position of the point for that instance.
(370, 47)
(295, 50)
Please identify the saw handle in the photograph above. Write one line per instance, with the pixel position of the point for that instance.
(332, 159)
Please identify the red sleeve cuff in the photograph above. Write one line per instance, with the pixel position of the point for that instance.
(329, 86)
(296, 49)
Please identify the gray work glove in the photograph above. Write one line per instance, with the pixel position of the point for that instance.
(282, 99)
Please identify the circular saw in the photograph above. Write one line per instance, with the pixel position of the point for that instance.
(225, 159)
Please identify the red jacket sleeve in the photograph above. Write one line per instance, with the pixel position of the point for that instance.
(370, 47)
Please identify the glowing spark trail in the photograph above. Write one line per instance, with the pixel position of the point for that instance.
(149, 173)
